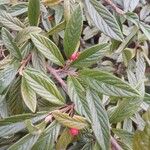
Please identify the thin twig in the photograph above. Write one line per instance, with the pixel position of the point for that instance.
(114, 144)
(57, 77)
(118, 10)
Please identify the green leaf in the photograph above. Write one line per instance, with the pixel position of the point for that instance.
(18, 9)
(91, 55)
(24, 34)
(130, 5)
(28, 95)
(10, 44)
(125, 109)
(99, 120)
(8, 21)
(64, 140)
(146, 29)
(48, 138)
(43, 86)
(56, 29)
(47, 48)
(6, 77)
(27, 142)
(34, 12)
(107, 84)
(77, 122)
(77, 95)
(13, 97)
(73, 32)
(142, 138)
(104, 20)
(126, 137)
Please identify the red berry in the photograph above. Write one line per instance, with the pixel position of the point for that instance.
(74, 131)
(74, 56)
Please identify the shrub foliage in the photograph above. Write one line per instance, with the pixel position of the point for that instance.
(74, 74)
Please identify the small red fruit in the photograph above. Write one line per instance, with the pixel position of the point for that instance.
(74, 56)
(74, 131)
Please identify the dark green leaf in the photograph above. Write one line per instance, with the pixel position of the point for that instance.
(73, 32)
(34, 12)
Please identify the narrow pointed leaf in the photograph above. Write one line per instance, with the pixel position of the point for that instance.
(47, 140)
(104, 20)
(73, 32)
(8, 21)
(25, 143)
(107, 84)
(10, 44)
(47, 48)
(28, 95)
(91, 55)
(99, 120)
(77, 122)
(34, 12)
(43, 86)
(77, 95)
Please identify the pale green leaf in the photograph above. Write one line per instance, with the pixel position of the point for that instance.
(91, 55)
(77, 95)
(8, 21)
(47, 48)
(28, 95)
(24, 34)
(107, 83)
(77, 122)
(10, 44)
(130, 5)
(73, 32)
(146, 29)
(25, 143)
(43, 86)
(48, 138)
(99, 119)
(125, 109)
(104, 20)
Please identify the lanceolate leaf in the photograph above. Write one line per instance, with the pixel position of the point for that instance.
(25, 143)
(99, 120)
(48, 138)
(125, 109)
(8, 21)
(43, 86)
(77, 122)
(28, 95)
(6, 76)
(24, 34)
(104, 20)
(10, 44)
(77, 94)
(141, 139)
(73, 32)
(47, 48)
(34, 12)
(91, 55)
(107, 84)
(130, 5)
(146, 29)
